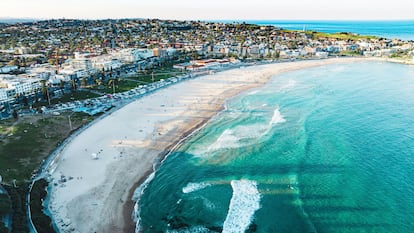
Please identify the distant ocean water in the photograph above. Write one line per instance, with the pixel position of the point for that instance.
(388, 29)
(325, 149)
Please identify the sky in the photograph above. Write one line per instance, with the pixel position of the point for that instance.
(210, 9)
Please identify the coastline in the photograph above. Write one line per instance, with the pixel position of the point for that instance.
(101, 190)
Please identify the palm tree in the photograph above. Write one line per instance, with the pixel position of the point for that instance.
(83, 82)
(44, 88)
(62, 86)
(112, 82)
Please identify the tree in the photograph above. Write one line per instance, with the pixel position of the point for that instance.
(3, 228)
(15, 114)
(112, 82)
(73, 85)
(62, 86)
(276, 54)
(83, 82)
(5, 204)
(25, 101)
(14, 62)
(44, 88)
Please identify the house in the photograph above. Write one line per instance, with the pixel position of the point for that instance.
(7, 69)
(321, 54)
(3, 94)
(17, 85)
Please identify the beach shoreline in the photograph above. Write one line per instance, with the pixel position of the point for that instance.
(131, 140)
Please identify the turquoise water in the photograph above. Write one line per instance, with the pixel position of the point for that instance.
(401, 29)
(326, 149)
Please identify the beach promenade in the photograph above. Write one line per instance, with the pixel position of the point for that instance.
(97, 172)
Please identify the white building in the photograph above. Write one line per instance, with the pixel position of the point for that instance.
(81, 61)
(7, 94)
(7, 69)
(105, 63)
(321, 54)
(74, 73)
(43, 71)
(21, 86)
(3, 94)
(131, 54)
(23, 50)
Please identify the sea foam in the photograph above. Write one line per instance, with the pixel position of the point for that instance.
(277, 117)
(243, 204)
(226, 140)
(136, 197)
(238, 136)
(192, 187)
(291, 84)
(195, 229)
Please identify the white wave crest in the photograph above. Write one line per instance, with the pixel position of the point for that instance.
(226, 140)
(277, 117)
(136, 197)
(243, 204)
(235, 138)
(253, 92)
(240, 136)
(192, 187)
(291, 83)
(195, 229)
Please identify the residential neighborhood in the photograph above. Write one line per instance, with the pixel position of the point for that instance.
(45, 59)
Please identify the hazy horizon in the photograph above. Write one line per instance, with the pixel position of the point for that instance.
(29, 19)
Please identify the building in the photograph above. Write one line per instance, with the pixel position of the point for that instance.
(12, 85)
(131, 55)
(81, 61)
(3, 94)
(23, 50)
(7, 69)
(321, 54)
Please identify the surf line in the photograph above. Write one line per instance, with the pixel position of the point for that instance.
(243, 204)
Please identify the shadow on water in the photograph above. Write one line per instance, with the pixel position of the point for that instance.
(284, 208)
(270, 170)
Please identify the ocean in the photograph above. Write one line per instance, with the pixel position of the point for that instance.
(391, 29)
(324, 149)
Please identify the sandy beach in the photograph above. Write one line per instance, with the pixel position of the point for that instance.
(104, 164)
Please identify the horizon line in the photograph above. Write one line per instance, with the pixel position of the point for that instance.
(208, 20)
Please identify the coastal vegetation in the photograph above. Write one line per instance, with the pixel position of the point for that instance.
(5, 204)
(400, 55)
(72, 96)
(347, 36)
(18, 197)
(5, 209)
(24, 144)
(42, 222)
(350, 53)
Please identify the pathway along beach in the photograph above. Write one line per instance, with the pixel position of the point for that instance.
(104, 164)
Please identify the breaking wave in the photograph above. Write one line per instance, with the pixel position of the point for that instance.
(277, 117)
(243, 204)
(196, 229)
(192, 187)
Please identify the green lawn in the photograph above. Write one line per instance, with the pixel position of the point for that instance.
(68, 97)
(79, 95)
(128, 83)
(340, 36)
(158, 75)
(120, 86)
(31, 139)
